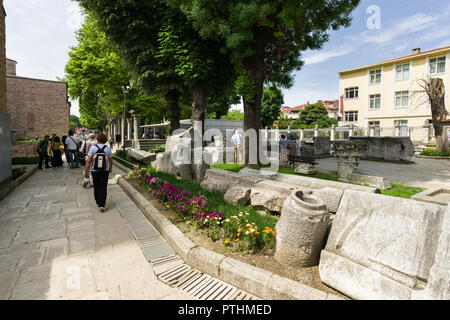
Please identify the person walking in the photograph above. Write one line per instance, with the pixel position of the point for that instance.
(85, 148)
(56, 147)
(111, 143)
(99, 162)
(284, 151)
(42, 150)
(72, 150)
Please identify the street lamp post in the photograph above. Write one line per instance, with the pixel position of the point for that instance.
(125, 90)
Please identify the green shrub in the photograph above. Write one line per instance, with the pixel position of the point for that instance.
(432, 153)
(25, 160)
(158, 149)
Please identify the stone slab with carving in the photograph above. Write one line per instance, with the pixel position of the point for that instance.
(141, 156)
(381, 247)
(331, 197)
(372, 181)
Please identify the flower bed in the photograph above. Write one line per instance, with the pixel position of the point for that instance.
(237, 229)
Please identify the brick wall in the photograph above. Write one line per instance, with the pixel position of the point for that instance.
(11, 67)
(19, 150)
(37, 107)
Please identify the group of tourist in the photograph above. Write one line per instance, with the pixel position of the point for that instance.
(289, 147)
(92, 153)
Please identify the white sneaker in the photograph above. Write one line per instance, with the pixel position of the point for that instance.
(102, 209)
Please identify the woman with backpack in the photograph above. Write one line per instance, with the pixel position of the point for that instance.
(99, 163)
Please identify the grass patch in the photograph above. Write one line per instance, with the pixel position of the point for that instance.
(233, 167)
(25, 160)
(125, 160)
(432, 153)
(402, 191)
(158, 149)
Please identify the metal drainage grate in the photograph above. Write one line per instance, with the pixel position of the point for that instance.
(201, 286)
(169, 267)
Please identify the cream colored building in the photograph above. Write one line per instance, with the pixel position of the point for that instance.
(386, 99)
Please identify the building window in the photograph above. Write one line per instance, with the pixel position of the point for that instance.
(402, 99)
(402, 126)
(375, 76)
(375, 101)
(351, 93)
(376, 128)
(437, 65)
(402, 72)
(351, 116)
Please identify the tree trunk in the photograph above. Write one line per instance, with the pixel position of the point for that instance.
(254, 68)
(199, 108)
(172, 98)
(435, 89)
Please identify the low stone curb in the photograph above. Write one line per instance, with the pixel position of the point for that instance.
(433, 157)
(257, 281)
(14, 184)
(121, 166)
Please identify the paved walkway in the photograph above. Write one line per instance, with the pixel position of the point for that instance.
(55, 244)
(424, 173)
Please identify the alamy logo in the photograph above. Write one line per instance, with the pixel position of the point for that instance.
(374, 21)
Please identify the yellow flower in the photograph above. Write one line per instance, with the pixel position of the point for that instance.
(168, 206)
(227, 241)
(248, 225)
(237, 240)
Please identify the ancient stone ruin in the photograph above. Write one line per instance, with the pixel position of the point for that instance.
(301, 230)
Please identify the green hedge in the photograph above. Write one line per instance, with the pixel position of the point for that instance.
(25, 160)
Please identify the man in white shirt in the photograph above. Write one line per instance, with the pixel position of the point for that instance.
(236, 140)
(72, 148)
(100, 171)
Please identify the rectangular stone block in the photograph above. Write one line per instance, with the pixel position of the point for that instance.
(386, 246)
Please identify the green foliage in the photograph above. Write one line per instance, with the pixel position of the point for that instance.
(432, 153)
(158, 149)
(312, 115)
(284, 122)
(25, 160)
(219, 106)
(74, 121)
(233, 115)
(271, 103)
(96, 74)
(233, 167)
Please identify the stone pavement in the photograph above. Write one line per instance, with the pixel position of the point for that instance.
(424, 173)
(56, 244)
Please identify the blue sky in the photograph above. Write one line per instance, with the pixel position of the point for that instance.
(40, 32)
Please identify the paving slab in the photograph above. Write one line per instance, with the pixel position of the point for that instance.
(56, 244)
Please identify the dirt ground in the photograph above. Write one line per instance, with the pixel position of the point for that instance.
(265, 260)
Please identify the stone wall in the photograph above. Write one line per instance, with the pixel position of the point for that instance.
(387, 148)
(20, 150)
(37, 107)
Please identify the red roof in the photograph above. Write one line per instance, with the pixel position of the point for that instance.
(417, 54)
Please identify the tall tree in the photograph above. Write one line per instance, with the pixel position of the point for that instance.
(96, 73)
(133, 27)
(271, 103)
(435, 90)
(266, 38)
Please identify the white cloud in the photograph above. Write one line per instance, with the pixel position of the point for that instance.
(324, 56)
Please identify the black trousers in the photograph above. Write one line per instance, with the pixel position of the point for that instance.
(100, 180)
(43, 157)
